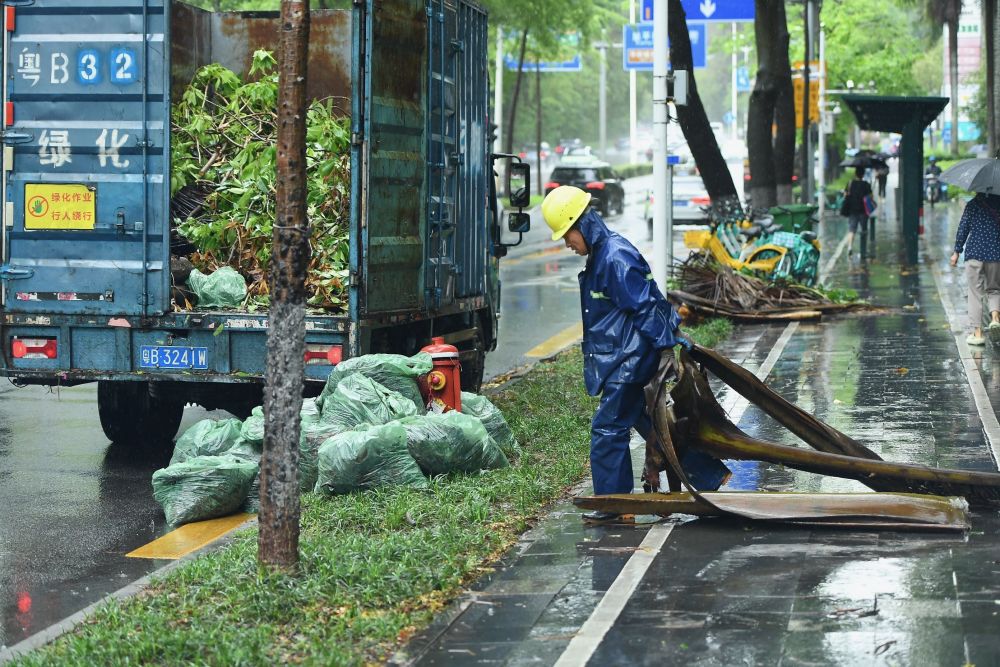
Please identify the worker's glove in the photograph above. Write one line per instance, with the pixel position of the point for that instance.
(666, 370)
(683, 341)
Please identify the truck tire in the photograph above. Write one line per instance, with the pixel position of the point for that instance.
(131, 415)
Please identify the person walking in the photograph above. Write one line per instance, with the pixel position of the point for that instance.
(629, 329)
(854, 207)
(882, 176)
(979, 236)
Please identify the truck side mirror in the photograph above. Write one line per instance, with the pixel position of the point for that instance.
(519, 184)
(518, 223)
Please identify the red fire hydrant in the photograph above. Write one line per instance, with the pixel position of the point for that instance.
(442, 387)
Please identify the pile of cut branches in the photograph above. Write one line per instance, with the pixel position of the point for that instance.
(222, 182)
(707, 287)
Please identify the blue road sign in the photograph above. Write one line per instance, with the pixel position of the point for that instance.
(967, 131)
(637, 51)
(646, 14)
(743, 80)
(574, 65)
(723, 11)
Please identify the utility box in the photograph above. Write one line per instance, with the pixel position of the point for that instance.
(677, 87)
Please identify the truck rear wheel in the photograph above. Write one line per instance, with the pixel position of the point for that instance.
(130, 414)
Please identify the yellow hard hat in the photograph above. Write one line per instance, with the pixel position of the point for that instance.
(562, 207)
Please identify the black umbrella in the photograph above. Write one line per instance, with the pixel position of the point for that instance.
(866, 161)
(978, 175)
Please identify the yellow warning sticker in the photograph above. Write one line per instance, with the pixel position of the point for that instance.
(59, 206)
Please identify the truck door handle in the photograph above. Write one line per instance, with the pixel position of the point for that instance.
(8, 272)
(12, 138)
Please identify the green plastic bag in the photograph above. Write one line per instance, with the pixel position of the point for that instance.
(209, 437)
(249, 451)
(202, 488)
(310, 409)
(253, 427)
(451, 442)
(367, 458)
(393, 371)
(223, 288)
(361, 400)
(493, 420)
(313, 433)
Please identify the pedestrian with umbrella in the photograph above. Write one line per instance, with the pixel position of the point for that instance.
(979, 237)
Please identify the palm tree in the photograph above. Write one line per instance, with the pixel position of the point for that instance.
(946, 13)
(771, 160)
(991, 19)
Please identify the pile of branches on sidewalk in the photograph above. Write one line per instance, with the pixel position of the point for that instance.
(706, 287)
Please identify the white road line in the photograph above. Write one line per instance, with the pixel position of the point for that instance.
(737, 405)
(986, 414)
(581, 648)
(586, 641)
(830, 263)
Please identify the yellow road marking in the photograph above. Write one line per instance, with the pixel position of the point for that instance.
(561, 340)
(188, 538)
(554, 250)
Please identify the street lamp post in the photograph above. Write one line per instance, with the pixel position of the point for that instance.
(661, 194)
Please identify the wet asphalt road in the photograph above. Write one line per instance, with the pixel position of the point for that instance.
(75, 505)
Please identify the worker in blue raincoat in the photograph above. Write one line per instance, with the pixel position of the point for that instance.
(627, 327)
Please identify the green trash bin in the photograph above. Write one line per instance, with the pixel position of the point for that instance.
(794, 217)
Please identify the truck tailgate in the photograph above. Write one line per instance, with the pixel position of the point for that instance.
(85, 217)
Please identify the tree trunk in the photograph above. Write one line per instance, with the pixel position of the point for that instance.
(953, 74)
(694, 121)
(278, 544)
(538, 128)
(991, 24)
(784, 114)
(217, 5)
(508, 139)
(768, 28)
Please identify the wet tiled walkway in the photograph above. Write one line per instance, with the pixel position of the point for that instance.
(722, 593)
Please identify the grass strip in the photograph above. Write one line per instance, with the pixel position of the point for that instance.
(375, 566)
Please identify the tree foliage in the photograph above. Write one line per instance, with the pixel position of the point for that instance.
(223, 159)
(873, 42)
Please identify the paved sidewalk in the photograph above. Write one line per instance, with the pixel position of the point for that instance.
(723, 593)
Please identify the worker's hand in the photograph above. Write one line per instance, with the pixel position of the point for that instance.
(954, 259)
(683, 341)
(666, 370)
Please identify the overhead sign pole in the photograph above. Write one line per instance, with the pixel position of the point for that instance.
(498, 93)
(633, 115)
(661, 249)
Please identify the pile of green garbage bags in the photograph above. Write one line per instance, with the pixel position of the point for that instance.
(368, 429)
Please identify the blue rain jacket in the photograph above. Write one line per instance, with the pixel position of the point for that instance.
(626, 320)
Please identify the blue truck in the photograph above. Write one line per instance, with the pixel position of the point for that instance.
(85, 245)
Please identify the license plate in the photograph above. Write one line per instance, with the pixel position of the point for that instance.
(179, 358)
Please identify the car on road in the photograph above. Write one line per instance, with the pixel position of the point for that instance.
(530, 154)
(597, 178)
(578, 152)
(689, 198)
(566, 144)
